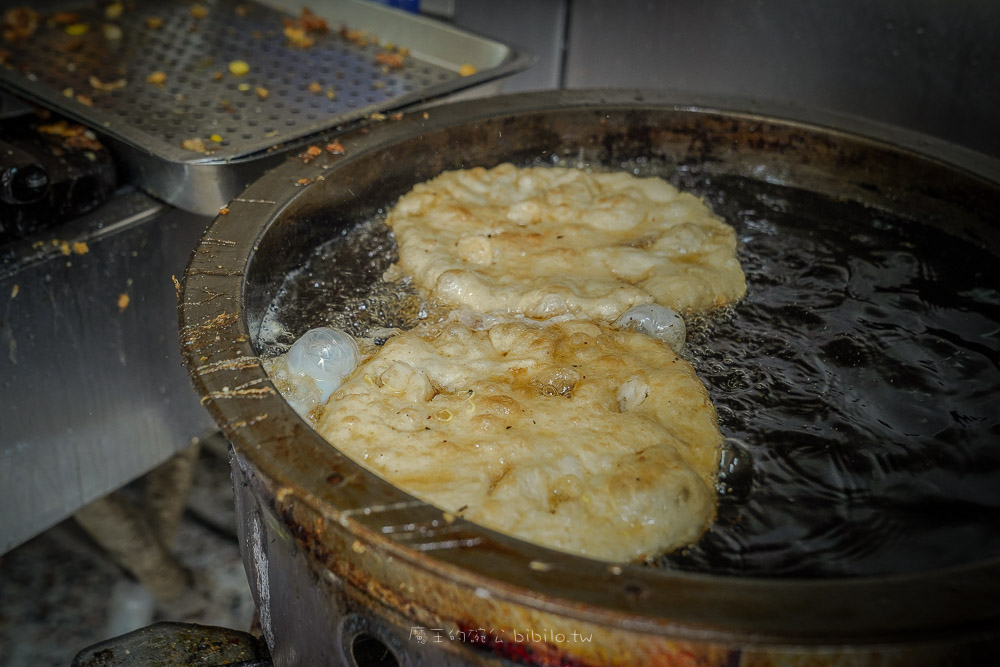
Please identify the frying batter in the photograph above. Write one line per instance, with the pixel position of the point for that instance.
(568, 434)
(546, 241)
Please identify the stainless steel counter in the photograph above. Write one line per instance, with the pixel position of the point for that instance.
(92, 393)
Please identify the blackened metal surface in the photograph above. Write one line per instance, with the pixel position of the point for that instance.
(50, 171)
(167, 644)
(409, 556)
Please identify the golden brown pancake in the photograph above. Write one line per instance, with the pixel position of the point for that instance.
(568, 434)
(547, 241)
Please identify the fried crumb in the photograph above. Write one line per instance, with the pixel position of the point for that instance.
(217, 76)
(262, 93)
(303, 181)
(177, 284)
(239, 67)
(114, 11)
(77, 29)
(19, 23)
(72, 46)
(157, 78)
(335, 148)
(314, 151)
(123, 300)
(85, 100)
(298, 38)
(107, 86)
(388, 59)
(313, 23)
(80, 248)
(199, 11)
(14, 291)
(154, 23)
(223, 211)
(396, 116)
(196, 144)
(357, 37)
(467, 70)
(71, 135)
(315, 87)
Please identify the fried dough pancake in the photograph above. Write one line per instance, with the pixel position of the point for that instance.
(568, 434)
(547, 241)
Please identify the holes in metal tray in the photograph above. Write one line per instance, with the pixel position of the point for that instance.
(194, 103)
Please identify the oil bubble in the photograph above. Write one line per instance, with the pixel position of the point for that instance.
(735, 469)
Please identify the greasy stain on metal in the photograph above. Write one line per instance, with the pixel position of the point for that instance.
(239, 363)
(255, 201)
(243, 423)
(218, 242)
(376, 509)
(258, 393)
(198, 334)
(447, 544)
(210, 296)
(214, 272)
(412, 532)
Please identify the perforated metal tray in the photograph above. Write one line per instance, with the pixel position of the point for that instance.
(96, 68)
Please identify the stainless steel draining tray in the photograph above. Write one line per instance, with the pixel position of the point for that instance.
(102, 68)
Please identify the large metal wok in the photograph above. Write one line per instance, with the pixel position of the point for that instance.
(341, 561)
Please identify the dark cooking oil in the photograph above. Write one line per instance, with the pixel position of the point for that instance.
(857, 384)
(341, 285)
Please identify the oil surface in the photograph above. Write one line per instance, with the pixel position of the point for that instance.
(858, 383)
